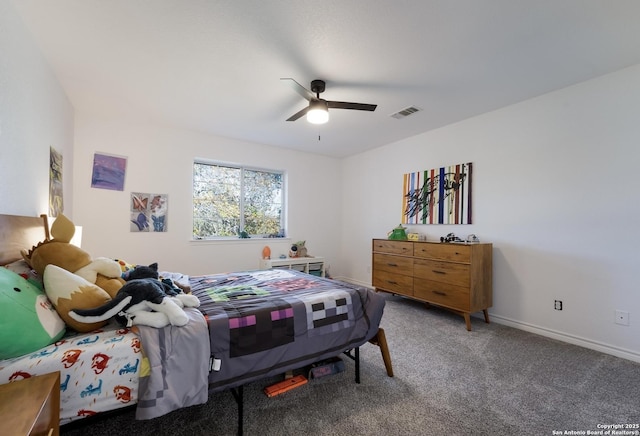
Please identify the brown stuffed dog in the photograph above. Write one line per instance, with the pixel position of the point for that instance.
(103, 272)
(72, 279)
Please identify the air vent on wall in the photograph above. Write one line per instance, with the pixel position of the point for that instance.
(405, 112)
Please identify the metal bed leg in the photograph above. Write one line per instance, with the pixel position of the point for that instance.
(356, 359)
(239, 396)
(238, 393)
(358, 365)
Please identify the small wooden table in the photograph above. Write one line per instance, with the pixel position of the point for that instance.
(31, 406)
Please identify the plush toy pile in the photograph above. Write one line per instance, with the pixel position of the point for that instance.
(143, 300)
(59, 285)
(87, 292)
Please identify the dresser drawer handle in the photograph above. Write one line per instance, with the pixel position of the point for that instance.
(438, 272)
(440, 293)
(392, 264)
(391, 282)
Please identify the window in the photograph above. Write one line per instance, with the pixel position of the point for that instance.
(232, 201)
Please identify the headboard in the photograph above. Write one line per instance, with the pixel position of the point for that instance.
(20, 233)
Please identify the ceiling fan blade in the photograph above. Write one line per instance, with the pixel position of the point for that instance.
(354, 106)
(298, 114)
(304, 92)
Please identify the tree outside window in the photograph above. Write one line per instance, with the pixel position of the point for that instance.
(229, 201)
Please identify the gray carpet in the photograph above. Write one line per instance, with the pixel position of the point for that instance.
(494, 380)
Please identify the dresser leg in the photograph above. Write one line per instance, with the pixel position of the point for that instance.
(486, 315)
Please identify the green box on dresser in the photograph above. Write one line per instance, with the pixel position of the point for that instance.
(456, 276)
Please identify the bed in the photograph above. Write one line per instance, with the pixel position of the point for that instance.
(250, 325)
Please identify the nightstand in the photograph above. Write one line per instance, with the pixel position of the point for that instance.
(31, 406)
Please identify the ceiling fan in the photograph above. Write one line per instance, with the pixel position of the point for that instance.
(318, 110)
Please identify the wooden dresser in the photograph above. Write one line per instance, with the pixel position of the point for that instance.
(31, 406)
(451, 275)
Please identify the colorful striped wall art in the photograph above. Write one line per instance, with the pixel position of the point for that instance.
(438, 196)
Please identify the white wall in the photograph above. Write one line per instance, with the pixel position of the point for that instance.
(555, 191)
(160, 160)
(35, 114)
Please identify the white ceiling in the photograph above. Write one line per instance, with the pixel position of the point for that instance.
(215, 65)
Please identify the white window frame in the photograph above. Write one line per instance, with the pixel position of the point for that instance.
(242, 168)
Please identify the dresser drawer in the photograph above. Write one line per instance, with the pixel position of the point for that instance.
(393, 247)
(396, 283)
(443, 294)
(393, 264)
(452, 252)
(443, 272)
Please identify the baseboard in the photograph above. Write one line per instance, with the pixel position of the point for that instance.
(543, 331)
(571, 339)
(353, 282)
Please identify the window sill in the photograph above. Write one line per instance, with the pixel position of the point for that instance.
(237, 241)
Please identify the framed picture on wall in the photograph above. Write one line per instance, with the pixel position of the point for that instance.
(56, 205)
(148, 212)
(438, 196)
(108, 172)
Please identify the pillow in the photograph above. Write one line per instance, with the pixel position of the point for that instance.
(22, 268)
(28, 322)
(68, 291)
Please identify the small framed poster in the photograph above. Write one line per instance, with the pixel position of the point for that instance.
(108, 172)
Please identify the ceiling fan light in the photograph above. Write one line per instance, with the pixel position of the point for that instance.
(318, 112)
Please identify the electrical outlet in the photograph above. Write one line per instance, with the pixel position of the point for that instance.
(557, 305)
(622, 317)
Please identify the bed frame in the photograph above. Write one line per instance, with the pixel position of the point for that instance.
(379, 340)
